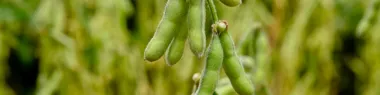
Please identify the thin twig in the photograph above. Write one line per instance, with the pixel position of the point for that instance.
(214, 14)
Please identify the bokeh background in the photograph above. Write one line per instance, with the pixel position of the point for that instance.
(95, 47)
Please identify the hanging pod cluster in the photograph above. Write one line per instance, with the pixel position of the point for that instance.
(167, 30)
(221, 50)
(221, 53)
(168, 37)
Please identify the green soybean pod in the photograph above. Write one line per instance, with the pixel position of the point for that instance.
(242, 47)
(196, 19)
(231, 3)
(233, 67)
(212, 67)
(175, 50)
(166, 30)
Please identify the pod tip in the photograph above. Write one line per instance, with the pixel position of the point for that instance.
(150, 59)
(169, 62)
(196, 77)
(200, 55)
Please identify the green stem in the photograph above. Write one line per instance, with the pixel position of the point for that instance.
(211, 5)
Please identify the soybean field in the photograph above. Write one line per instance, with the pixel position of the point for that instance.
(189, 47)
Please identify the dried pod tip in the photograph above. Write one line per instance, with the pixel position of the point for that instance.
(220, 26)
(196, 77)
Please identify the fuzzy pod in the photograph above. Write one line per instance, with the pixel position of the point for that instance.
(244, 43)
(233, 67)
(175, 10)
(212, 67)
(176, 48)
(197, 20)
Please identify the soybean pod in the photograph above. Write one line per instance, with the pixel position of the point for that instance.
(233, 67)
(231, 3)
(175, 50)
(166, 30)
(196, 19)
(242, 48)
(212, 67)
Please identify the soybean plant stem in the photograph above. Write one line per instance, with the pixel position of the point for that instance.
(211, 5)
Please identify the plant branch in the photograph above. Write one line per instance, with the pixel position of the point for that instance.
(211, 5)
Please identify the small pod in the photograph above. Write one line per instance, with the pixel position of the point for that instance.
(233, 67)
(243, 45)
(248, 63)
(247, 45)
(196, 19)
(231, 3)
(175, 10)
(224, 87)
(175, 50)
(212, 67)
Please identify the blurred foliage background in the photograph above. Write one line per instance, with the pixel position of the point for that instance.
(95, 47)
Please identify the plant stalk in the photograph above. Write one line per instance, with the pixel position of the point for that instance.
(212, 7)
